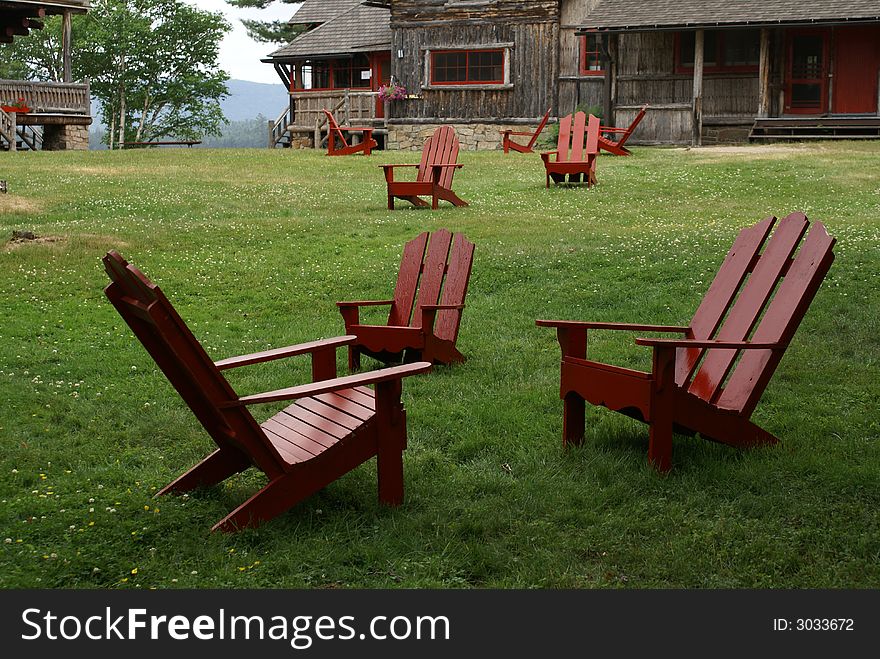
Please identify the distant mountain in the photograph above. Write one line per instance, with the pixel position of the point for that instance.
(245, 101)
(248, 99)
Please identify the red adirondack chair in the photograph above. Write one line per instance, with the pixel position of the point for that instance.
(576, 151)
(617, 146)
(509, 144)
(434, 175)
(337, 132)
(334, 425)
(710, 381)
(429, 329)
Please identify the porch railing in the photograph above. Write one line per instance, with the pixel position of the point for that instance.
(48, 97)
(349, 107)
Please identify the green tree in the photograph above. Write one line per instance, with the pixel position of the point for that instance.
(35, 57)
(153, 66)
(268, 31)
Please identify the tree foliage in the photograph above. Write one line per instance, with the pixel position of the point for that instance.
(268, 31)
(152, 65)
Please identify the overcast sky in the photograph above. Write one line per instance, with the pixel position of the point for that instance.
(239, 54)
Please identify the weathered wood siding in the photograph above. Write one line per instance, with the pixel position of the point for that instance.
(422, 12)
(529, 28)
(574, 89)
(646, 74)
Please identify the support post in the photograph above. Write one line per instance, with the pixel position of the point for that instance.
(697, 139)
(764, 75)
(13, 131)
(65, 47)
(607, 63)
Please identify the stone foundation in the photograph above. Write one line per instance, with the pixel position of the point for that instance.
(65, 138)
(473, 137)
(725, 134)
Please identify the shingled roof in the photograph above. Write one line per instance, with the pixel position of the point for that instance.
(357, 29)
(320, 11)
(673, 14)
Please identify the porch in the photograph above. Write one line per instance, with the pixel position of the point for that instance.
(58, 115)
(304, 121)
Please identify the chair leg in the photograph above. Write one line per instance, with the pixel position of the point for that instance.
(354, 358)
(660, 444)
(277, 496)
(391, 431)
(662, 411)
(573, 420)
(390, 201)
(217, 467)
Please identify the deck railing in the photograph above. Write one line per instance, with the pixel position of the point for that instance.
(48, 97)
(349, 107)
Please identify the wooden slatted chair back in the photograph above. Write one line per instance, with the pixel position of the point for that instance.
(333, 125)
(635, 122)
(432, 273)
(440, 149)
(741, 305)
(538, 130)
(185, 363)
(578, 137)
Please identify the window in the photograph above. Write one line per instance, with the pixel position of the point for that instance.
(467, 67)
(351, 73)
(591, 55)
(723, 51)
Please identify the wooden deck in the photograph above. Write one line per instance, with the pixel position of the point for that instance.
(305, 117)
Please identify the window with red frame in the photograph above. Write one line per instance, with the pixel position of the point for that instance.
(337, 74)
(467, 67)
(591, 55)
(723, 51)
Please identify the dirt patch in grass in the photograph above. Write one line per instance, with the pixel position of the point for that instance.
(756, 151)
(10, 203)
(17, 243)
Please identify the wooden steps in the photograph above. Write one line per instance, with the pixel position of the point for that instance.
(815, 128)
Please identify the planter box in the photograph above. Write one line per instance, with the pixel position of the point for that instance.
(13, 108)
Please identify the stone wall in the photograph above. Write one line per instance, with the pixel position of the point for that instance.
(473, 137)
(65, 138)
(731, 134)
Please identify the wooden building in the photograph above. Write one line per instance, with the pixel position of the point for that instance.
(337, 63)
(726, 71)
(710, 71)
(58, 113)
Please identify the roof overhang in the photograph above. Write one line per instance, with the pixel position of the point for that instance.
(57, 7)
(676, 27)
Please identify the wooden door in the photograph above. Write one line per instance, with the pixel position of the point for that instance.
(381, 76)
(806, 79)
(856, 66)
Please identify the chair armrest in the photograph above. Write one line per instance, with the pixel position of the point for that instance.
(627, 327)
(400, 165)
(572, 334)
(605, 129)
(280, 353)
(364, 303)
(327, 386)
(709, 343)
(515, 132)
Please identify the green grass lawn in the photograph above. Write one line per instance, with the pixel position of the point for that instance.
(255, 246)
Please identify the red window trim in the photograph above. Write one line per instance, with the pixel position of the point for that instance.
(582, 59)
(716, 68)
(468, 52)
(330, 70)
